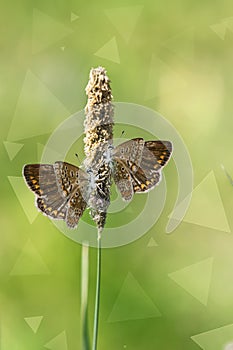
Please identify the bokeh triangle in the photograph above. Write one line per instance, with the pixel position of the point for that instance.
(29, 262)
(34, 322)
(220, 29)
(46, 31)
(58, 343)
(124, 19)
(25, 197)
(152, 243)
(132, 303)
(37, 112)
(216, 339)
(73, 17)
(12, 148)
(206, 207)
(195, 279)
(109, 51)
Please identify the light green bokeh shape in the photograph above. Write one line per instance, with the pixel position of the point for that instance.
(206, 207)
(34, 322)
(195, 279)
(152, 243)
(29, 262)
(216, 339)
(25, 197)
(220, 29)
(160, 74)
(44, 109)
(12, 148)
(124, 19)
(58, 343)
(46, 31)
(109, 51)
(132, 303)
(73, 16)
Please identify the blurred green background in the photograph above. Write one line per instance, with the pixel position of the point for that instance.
(163, 291)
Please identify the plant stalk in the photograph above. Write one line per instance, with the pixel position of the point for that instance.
(97, 294)
(84, 297)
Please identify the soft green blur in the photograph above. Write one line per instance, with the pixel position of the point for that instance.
(173, 62)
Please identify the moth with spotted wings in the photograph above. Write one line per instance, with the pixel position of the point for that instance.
(64, 191)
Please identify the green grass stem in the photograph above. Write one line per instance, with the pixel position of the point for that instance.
(84, 297)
